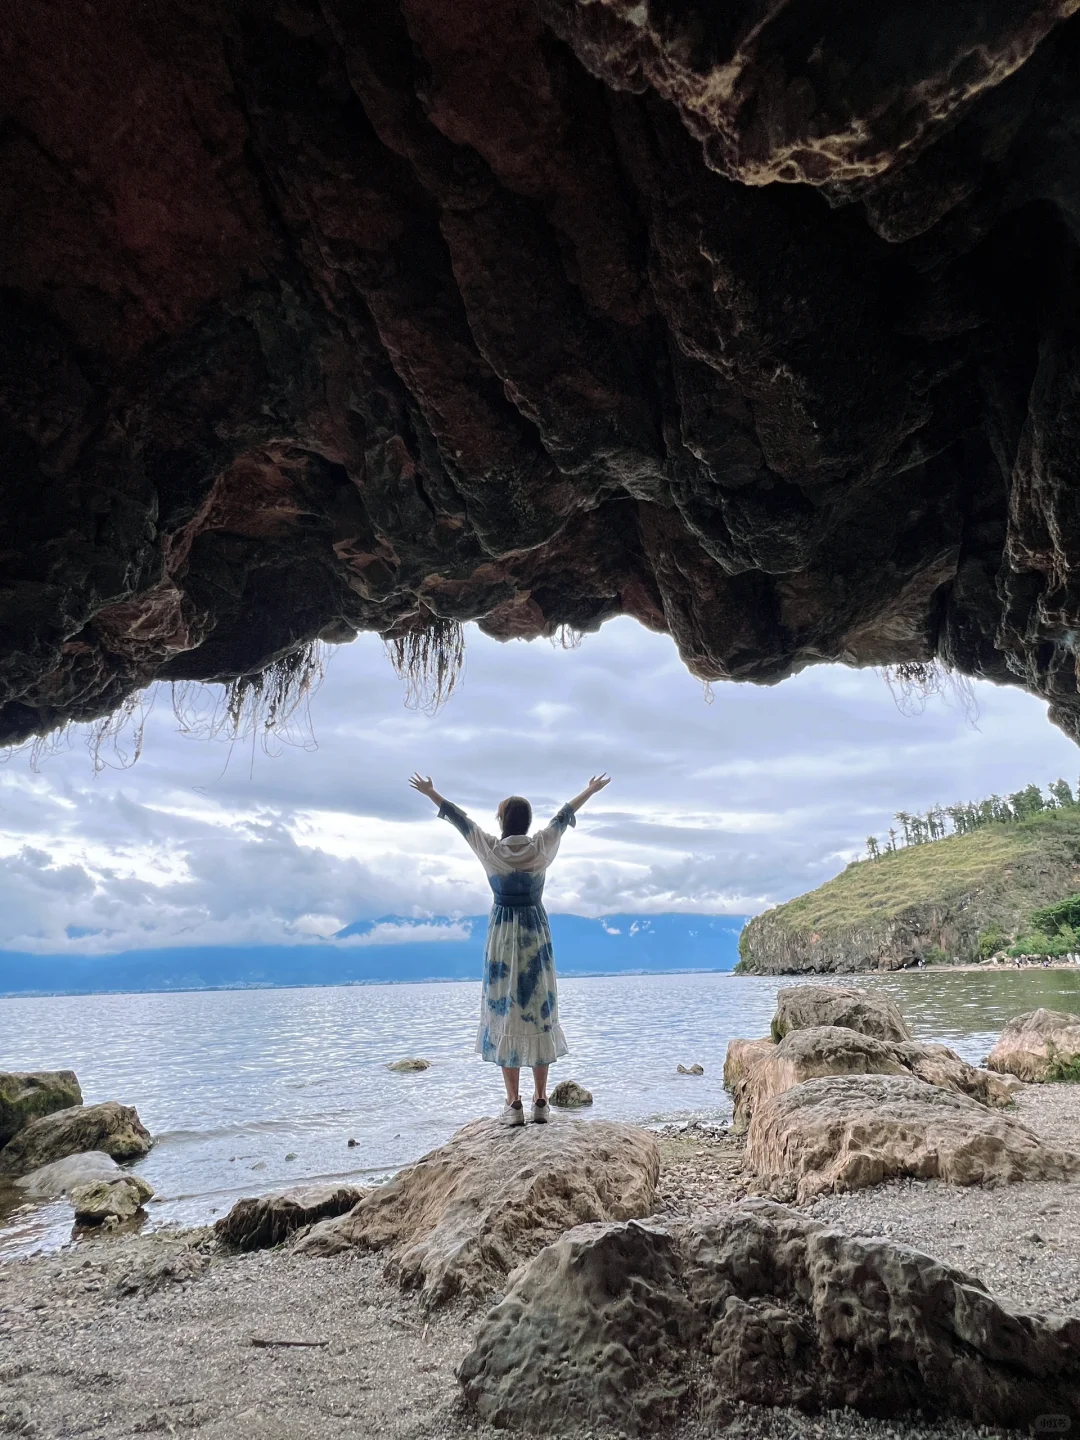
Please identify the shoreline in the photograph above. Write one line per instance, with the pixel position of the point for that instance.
(106, 1350)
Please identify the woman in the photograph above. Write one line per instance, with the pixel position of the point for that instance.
(519, 1008)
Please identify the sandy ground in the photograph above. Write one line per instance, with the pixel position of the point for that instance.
(126, 1336)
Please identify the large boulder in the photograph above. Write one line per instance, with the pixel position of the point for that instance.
(760, 1069)
(119, 1198)
(631, 1326)
(845, 1132)
(60, 1176)
(255, 1223)
(464, 1216)
(1041, 1045)
(804, 1007)
(26, 1095)
(115, 1129)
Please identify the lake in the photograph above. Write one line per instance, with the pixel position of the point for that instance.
(231, 1083)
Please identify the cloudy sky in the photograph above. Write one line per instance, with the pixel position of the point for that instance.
(724, 807)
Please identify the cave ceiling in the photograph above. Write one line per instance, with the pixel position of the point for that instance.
(756, 321)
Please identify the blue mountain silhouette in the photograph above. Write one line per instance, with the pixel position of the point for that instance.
(611, 945)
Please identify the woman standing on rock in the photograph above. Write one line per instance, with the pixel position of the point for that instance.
(519, 1008)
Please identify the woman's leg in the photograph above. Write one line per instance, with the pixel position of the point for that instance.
(511, 1079)
(539, 1082)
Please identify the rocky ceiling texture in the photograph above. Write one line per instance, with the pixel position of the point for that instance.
(754, 320)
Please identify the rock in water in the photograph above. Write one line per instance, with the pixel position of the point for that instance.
(115, 1129)
(1038, 1046)
(253, 1224)
(407, 1067)
(802, 1007)
(60, 1176)
(690, 1069)
(461, 1218)
(27, 1095)
(569, 1095)
(120, 1198)
(630, 1326)
(846, 1132)
(760, 1069)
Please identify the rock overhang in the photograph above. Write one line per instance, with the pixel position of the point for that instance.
(759, 327)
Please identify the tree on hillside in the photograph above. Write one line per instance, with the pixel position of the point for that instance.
(1027, 802)
(872, 847)
(1063, 796)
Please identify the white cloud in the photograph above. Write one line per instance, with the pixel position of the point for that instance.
(724, 807)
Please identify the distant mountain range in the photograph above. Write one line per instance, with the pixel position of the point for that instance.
(388, 949)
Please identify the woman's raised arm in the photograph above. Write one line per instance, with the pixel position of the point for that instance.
(418, 782)
(596, 784)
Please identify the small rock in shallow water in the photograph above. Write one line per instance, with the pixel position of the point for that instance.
(407, 1067)
(352, 1144)
(117, 1199)
(291, 1155)
(570, 1095)
(690, 1069)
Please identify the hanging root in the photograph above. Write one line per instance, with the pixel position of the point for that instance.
(266, 704)
(566, 637)
(430, 659)
(914, 682)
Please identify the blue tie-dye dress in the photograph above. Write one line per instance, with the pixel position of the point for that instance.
(519, 1007)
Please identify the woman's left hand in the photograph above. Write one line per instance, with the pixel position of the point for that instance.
(424, 785)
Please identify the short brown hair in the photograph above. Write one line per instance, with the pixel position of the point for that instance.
(516, 815)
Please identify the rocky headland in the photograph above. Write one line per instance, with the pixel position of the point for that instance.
(589, 1277)
(952, 901)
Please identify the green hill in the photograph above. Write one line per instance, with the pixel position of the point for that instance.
(932, 902)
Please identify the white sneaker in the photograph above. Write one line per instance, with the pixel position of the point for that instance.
(541, 1112)
(513, 1114)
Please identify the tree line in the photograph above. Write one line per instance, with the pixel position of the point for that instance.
(942, 820)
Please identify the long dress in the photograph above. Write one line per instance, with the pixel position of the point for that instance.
(519, 1006)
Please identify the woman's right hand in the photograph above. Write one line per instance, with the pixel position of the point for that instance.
(597, 783)
(424, 785)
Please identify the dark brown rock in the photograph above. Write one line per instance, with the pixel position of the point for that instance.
(255, 1223)
(629, 1326)
(114, 1129)
(24, 1096)
(756, 323)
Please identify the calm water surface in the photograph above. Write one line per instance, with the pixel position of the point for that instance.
(232, 1082)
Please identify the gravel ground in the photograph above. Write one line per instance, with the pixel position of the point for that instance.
(126, 1336)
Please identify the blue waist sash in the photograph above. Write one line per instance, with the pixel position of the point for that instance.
(517, 891)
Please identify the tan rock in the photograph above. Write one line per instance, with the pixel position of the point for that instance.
(803, 1007)
(762, 1069)
(26, 1095)
(120, 1198)
(409, 1066)
(938, 1065)
(460, 1219)
(634, 1326)
(569, 1095)
(115, 1129)
(1037, 1046)
(845, 1132)
(253, 1224)
(741, 1054)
